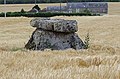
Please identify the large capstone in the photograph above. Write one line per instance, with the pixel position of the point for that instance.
(54, 34)
(56, 25)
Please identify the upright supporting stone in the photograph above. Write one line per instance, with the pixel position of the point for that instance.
(54, 34)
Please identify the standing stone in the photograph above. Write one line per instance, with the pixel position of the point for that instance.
(54, 34)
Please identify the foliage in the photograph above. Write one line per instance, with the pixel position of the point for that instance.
(87, 11)
(2, 14)
(86, 42)
(44, 14)
(22, 10)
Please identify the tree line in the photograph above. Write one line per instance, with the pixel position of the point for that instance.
(52, 1)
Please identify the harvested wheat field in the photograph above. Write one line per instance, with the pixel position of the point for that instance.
(26, 7)
(100, 61)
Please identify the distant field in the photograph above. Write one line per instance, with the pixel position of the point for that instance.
(100, 61)
(27, 7)
(113, 7)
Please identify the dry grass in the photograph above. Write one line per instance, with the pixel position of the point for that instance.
(27, 7)
(113, 7)
(100, 61)
(67, 64)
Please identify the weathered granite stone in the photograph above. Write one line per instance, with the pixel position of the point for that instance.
(41, 40)
(47, 37)
(57, 25)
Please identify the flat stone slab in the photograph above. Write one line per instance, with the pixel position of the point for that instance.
(56, 25)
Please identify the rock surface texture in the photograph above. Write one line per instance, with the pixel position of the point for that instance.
(54, 34)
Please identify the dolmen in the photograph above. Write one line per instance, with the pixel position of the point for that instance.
(54, 34)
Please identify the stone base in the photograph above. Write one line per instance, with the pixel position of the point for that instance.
(42, 39)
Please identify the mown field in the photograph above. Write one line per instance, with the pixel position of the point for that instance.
(100, 61)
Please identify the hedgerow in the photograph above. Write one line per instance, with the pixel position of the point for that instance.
(44, 14)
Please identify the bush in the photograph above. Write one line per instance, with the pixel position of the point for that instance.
(22, 10)
(44, 14)
(86, 42)
(2, 15)
(86, 11)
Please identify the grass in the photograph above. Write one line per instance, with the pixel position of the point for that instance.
(26, 7)
(113, 7)
(100, 61)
